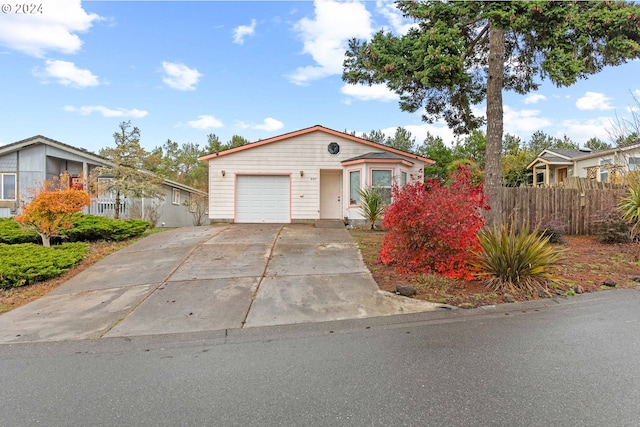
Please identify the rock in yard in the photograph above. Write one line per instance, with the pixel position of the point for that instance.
(405, 290)
(578, 289)
(635, 278)
(508, 298)
(609, 283)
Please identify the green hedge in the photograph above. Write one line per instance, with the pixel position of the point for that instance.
(88, 228)
(11, 233)
(27, 263)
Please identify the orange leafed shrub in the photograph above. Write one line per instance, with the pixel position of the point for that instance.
(50, 212)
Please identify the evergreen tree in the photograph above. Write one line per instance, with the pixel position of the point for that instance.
(461, 53)
(127, 177)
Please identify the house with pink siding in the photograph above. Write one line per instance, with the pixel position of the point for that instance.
(304, 176)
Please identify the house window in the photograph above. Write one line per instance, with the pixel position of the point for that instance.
(403, 179)
(634, 163)
(176, 196)
(354, 188)
(382, 179)
(604, 172)
(7, 186)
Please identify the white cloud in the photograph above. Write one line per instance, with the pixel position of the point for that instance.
(398, 23)
(52, 30)
(106, 112)
(325, 37)
(516, 121)
(369, 93)
(205, 122)
(179, 76)
(243, 31)
(581, 131)
(594, 101)
(534, 98)
(269, 124)
(67, 74)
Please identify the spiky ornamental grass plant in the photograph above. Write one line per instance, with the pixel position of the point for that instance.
(372, 204)
(630, 204)
(516, 259)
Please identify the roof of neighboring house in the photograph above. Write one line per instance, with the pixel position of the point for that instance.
(316, 128)
(39, 139)
(562, 156)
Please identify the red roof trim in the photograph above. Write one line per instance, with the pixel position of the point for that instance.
(314, 129)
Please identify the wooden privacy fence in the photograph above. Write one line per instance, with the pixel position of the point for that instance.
(574, 208)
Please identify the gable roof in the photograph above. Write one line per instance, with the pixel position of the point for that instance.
(39, 139)
(560, 156)
(316, 128)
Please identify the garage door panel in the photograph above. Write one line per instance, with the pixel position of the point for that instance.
(263, 198)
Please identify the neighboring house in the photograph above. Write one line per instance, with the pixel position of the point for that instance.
(303, 176)
(25, 164)
(554, 165)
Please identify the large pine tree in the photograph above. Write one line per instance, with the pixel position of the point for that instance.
(462, 53)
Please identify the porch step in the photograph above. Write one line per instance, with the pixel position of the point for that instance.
(329, 223)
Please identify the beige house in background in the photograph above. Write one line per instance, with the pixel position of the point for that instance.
(303, 176)
(554, 165)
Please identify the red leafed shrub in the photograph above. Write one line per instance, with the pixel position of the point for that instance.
(433, 228)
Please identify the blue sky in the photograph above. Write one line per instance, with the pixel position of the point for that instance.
(182, 70)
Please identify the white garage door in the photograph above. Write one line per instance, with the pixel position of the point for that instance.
(263, 198)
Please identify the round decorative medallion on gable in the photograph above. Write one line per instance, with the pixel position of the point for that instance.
(333, 148)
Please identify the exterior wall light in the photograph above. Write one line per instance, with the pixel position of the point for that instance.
(223, 173)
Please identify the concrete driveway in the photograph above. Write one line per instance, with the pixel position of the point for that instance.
(211, 278)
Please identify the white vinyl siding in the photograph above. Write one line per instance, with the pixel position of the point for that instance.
(304, 153)
(262, 198)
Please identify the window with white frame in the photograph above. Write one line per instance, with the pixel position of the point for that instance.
(634, 163)
(354, 188)
(7, 186)
(604, 172)
(175, 199)
(382, 179)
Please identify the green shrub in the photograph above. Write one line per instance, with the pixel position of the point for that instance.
(11, 233)
(27, 263)
(372, 202)
(89, 228)
(516, 260)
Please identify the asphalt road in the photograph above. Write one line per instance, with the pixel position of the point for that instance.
(569, 364)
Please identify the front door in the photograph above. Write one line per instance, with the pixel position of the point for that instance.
(331, 194)
(562, 175)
